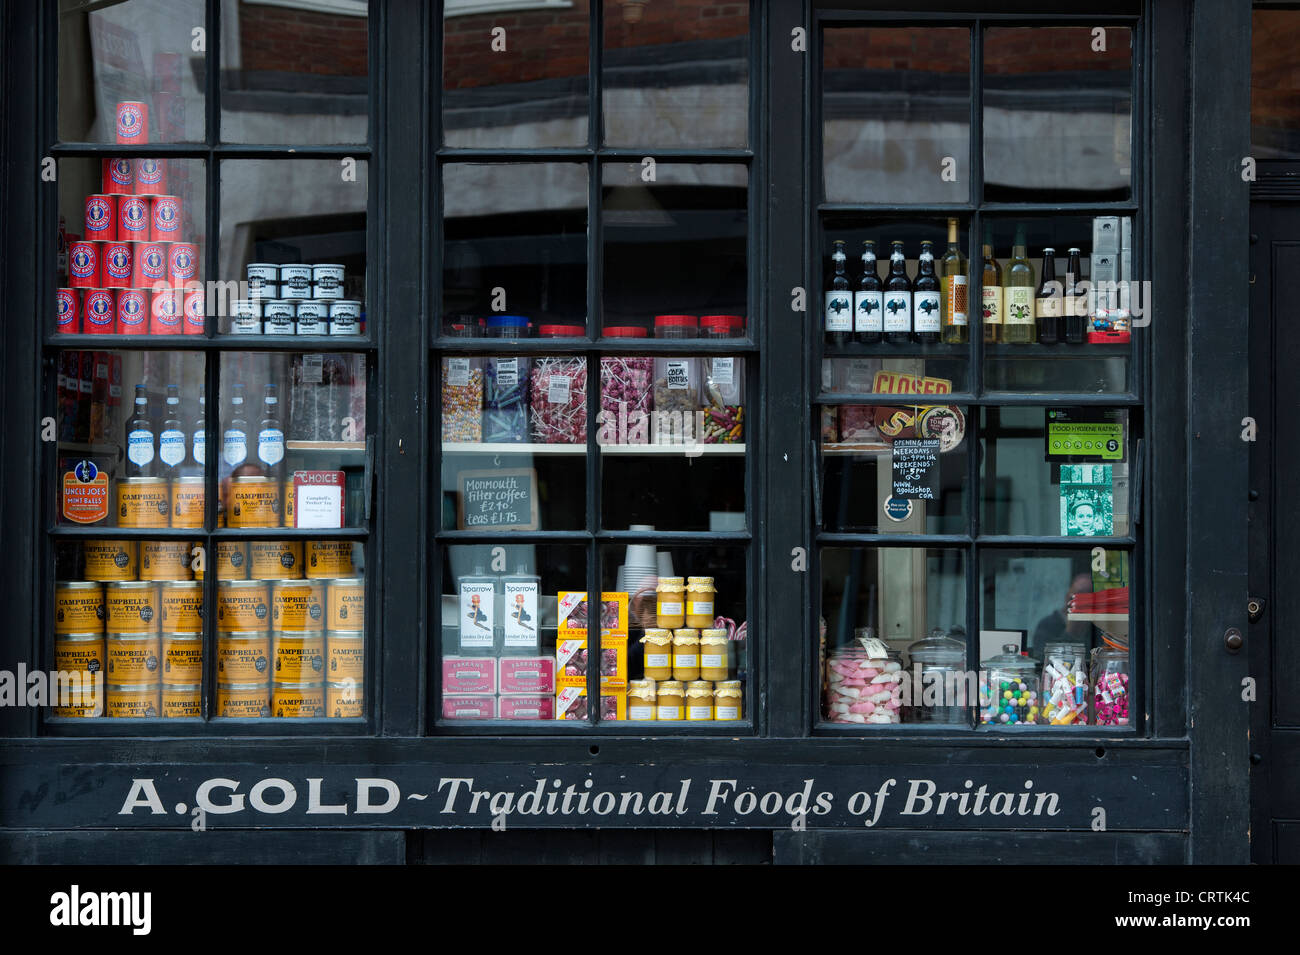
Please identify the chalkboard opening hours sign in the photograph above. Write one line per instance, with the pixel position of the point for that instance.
(500, 499)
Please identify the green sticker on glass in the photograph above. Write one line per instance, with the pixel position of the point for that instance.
(1085, 434)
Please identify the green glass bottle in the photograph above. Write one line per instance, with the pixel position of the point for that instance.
(1020, 293)
(993, 309)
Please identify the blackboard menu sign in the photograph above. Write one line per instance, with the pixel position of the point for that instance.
(503, 499)
(916, 468)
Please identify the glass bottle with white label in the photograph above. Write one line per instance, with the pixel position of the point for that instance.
(952, 273)
(869, 299)
(270, 438)
(141, 461)
(171, 440)
(898, 298)
(837, 321)
(234, 441)
(992, 308)
(199, 435)
(520, 624)
(926, 298)
(1019, 327)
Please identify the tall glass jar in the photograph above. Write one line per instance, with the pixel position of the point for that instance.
(861, 688)
(699, 602)
(1110, 696)
(937, 681)
(670, 602)
(1065, 684)
(1009, 689)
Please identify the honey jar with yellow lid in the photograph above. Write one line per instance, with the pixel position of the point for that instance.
(641, 698)
(686, 655)
(713, 654)
(670, 603)
(699, 700)
(669, 698)
(699, 602)
(658, 654)
(728, 697)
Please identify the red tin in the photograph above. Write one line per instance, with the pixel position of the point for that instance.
(84, 266)
(101, 218)
(166, 218)
(132, 311)
(116, 176)
(99, 312)
(150, 177)
(68, 320)
(182, 264)
(150, 265)
(132, 122)
(165, 312)
(194, 311)
(133, 219)
(116, 269)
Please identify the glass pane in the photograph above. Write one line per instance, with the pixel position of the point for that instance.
(514, 248)
(128, 629)
(676, 76)
(291, 634)
(1057, 471)
(896, 469)
(897, 287)
(128, 73)
(514, 442)
(293, 440)
(293, 249)
(896, 114)
(1274, 84)
(1059, 620)
(1071, 336)
(294, 72)
(688, 656)
(132, 237)
(506, 650)
(1058, 106)
(127, 428)
(683, 419)
(674, 245)
(877, 603)
(523, 87)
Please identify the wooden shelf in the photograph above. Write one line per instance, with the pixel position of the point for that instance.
(687, 450)
(1115, 624)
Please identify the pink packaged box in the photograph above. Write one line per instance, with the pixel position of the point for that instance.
(466, 675)
(469, 707)
(527, 707)
(526, 675)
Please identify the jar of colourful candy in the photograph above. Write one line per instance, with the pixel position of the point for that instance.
(1110, 696)
(1009, 689)
(1065, 684)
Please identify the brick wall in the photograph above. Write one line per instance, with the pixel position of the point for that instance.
(301, 41)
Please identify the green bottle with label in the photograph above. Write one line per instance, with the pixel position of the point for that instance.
(1019, 291)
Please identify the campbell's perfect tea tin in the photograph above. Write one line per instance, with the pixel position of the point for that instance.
(165, 560)
(298, 700)
(78, 606)
(345, 604)
(182, 701)
(243, 701)
(182, 658)
(181, 605)
(298, 656)
(131, 606)
(138, 701)
(242, 605)
(327, 559)
(275, 560)
(143, 502)
(133, 658)
(109, 559)
(244, 657)
(297, 605)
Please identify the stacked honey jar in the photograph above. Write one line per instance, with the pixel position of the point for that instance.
(290, 630)
(135, 626)
(687, 660)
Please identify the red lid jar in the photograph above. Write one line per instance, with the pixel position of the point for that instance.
(561, 331)
(722, 326)
(625, 331)
(676, 326)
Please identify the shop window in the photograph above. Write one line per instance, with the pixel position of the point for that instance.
(950, 517)
(211, 362)
(595, 368)
(1274, 86)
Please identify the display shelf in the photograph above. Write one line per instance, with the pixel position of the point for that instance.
(905, 350)
(339, 447)
(1115, 624)
(1058, 350)
(848, 449)
(224, 343)
(490, 447)
(82, 447)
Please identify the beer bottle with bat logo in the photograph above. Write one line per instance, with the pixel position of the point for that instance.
(926, 297)
(868, 300)
(898, 298)
(838, 323)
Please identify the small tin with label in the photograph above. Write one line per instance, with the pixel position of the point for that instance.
(295, 281)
